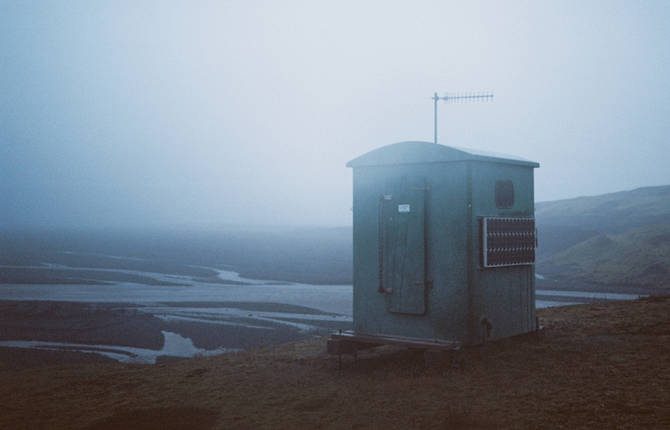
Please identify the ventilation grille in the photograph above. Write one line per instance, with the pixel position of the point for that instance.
(508, 241)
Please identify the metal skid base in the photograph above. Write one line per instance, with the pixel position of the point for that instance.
(349, 342)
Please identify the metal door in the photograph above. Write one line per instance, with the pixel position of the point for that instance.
(402, 246)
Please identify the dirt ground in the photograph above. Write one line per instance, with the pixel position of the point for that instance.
(593, 366)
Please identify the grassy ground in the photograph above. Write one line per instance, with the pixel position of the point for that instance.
(593, 366)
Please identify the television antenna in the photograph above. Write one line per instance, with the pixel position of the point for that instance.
(463, 97)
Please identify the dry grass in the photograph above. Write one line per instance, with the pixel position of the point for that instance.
(594, 366)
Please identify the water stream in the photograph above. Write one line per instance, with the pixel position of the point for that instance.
(333, 303)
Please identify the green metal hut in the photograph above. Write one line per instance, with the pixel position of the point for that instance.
(444, 245)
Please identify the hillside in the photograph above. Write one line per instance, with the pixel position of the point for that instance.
(640, 256)
(613, 212)
(616, 239)
(593, 366)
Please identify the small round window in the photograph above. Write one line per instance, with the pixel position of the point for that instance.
(504, 194)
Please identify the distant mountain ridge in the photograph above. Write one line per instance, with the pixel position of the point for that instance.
(609, 212)
(640, 256)
(616, 238)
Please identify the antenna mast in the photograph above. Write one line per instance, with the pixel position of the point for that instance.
(473, 97)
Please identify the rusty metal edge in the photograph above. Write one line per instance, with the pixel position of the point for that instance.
(409, 342)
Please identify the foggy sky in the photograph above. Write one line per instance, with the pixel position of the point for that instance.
(245, 112)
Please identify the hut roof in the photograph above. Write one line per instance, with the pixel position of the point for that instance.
(419, 152)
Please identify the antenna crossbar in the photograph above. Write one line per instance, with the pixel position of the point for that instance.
(464, 97)
(471, 96)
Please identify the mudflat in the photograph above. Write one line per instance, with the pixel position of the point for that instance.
(70, 332)
(593, 366)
